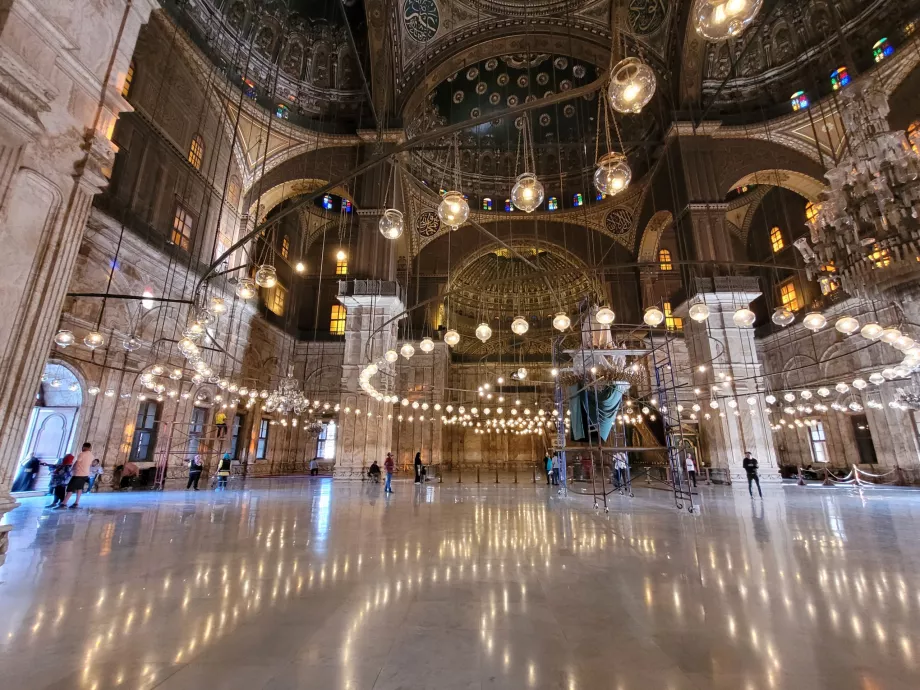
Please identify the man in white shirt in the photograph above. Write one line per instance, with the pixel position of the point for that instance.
(80, 476)
(691, 469)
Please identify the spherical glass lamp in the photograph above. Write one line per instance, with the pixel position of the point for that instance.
(391, 224)
(814, 321)
(218, 305)
(483, 332)
(451, 337)
(522, 373)
(605, 316)
(632, 85)
(93, 340)
(266, 276)
(427, 345)
(391, 356)
(63, 338)
(841, 387)
(194, 331)
(653, 317)
(847, 325)
(519, 326)
(871, 331)
(407, 350)
(613, 174)
(904, 343)
(782, 316)
(743, 317)
(131, 343)
(453, 210)
(206, 317)
(527, 192)
(718, 20)
(890, 335)
(246, 289)
(561, 321)
(859, 384)
(699, 312)
(877, 379)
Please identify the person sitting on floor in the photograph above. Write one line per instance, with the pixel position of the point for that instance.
(374, 471)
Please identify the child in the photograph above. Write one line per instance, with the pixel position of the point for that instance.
(60, 476)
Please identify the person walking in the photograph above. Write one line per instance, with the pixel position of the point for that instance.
(314, 467)
(60, 476)
(79, 478)
(195, 466)
(223, 472)
(750, 466)
(548, 466)
(691, 469)
(95, 471)
(555, 470)
(418, 468)
(388, 467)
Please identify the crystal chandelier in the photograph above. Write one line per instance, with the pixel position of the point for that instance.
(287, 397)
(868, 218)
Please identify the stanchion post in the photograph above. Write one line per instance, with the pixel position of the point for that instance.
(459, 473)
(533, 471)
(515, 473)
(496, 474)
(477, 474)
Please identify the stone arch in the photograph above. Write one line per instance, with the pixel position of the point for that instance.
(802, 184)
(651, 235)
(294, 58)
(288, 190)
(320, 72)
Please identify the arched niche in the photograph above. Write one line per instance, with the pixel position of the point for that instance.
(798, 182)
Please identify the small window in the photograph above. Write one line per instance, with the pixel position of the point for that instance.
(818, 441)
(880, 258)
(337, 320)
(129, 78)
(776, 239)
(341, 266)
(223, 244)
(262, 443)
(509, 207)
(672, 323)
(196, 151)
(487, 204)
(578, 199)
(799, 101)
(282, 112)
(839, 78)
(664, 260)
(325, 442)
(327, 202)
(788, 296)
(145, 432)
(552, 204)
(182, 227)
(811, 211)
(913, 135)
(277, 296)
(882, 49)
(233, 192)
(346, 206)
(285, 247)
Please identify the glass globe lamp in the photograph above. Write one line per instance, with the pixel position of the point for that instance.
(218, 305)
(699, 312)
(814, 321)
(847, 325)
(93, 390)
(522, 373)
(890, 335)
(206, 317)
(876, 378)
(782, 316)
(743, 317)
(653, 317)
(194, 331)
(93, 340)
(483, 332)
(407, 350)
(613, 174)
(605, 316)
(63, 338)
(391, 356)
(427, 345)
(859, 384)
(391, 224)
(453, 210)
(871, 331)
(520, 326)
(718, 20)
(131, 344)
(246, 289)
(266, 276)
(632, 85)
(527, 192)
(561, 321)
(904, 343)
(451, 337)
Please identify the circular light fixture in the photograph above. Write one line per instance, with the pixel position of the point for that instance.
(93, 390)
(453, 210)
(63, 338)
(814, 321)
(266, 276)
(653, 317)
(847, 325)
(823, 392)
(782, 316)
(871, 331)
(391, 356)
(841, 387)
(391, 224)
(427, 345)
(522, 373)
(613, 174)
(632, 85)
(520, 326)
(93, 340)
(341, 255)
(407, 350)
(890, 335)
(131, 344)
(860, 384)
(605, 316)
(718, 20)
(561, 321)
(527, 192)
(904, 343)
(218, 305)
(451, 337)
(876, 378)
(246, 289)
(699, 312)
(483, 332)
(300, 267)
(743, 317)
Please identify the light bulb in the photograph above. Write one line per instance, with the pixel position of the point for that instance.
(131, 344)
(451, 337)
(246, 289)
(391, 224)
(743, 317)
(718, 20)
(63, 338)
(814, 321)
(340, 255)
(605, 316)
(93, 340)
(453, 210)
(782, 316)
(427, 345)
(483, 332)
(520, 326)
(146, 302)
(522, 373)
(218, 305)
(847, 325)
(266, 276)
(391, 356)
(699, 312)
(890, 335)
(632, 85)
(653, 317)
(527, 193)
(561, 321)
(407, 350)
(300, 267)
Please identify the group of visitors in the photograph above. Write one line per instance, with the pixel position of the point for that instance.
(72, 476)
(389, 467)
(552, 465)
(196, 467)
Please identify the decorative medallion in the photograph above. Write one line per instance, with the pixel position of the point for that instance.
(472, 73)
(543, 79)
(491, 64)
(646, 16)
(427, 224)
(502, 79)
(530, 99)
(524, 60)
(565, 85)
(561, 62)
(568, 110)
(458, 97)
(548, 94)
(519, 122)
(579, 71)
(618, 221)
(481, 87)
(451, 78)
(545, 119)
(523, 81)
(475, 112)
(495, 98)
(590, 95)
(421, 19)
(497, 122)
(512, 100)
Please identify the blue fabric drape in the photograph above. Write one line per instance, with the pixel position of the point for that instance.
(576, 413)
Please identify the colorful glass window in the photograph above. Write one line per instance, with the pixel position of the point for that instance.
(839, 78)
(882, 49)
(346, 206)
(509, 207)
(799, 101)
(249, 88)
(788, 296)
(552, 204)
(282, 111)
(327, 202)
(776, 239)
(337, 320)
(486, 204)
(182, 227)
(672, 323)
(913, 135)
(811, 211)
(578, 199)
(880, 257)
(664, 260)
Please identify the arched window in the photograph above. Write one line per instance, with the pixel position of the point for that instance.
(337, 320)
(196, 151)
(486, 204)
(664, 260)
(578, 199)
(327, 202)
(129, 78)
(839, 78)
(776, 239)
(285, 246)
(552, 204)
(811, 211)
(341, 264)
(882, 49)
(672, 323)
(509, 207)
(788, 296)
(233, 192)
(913, 135)
(799, 101)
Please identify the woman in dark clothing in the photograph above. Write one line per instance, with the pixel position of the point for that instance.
(418, 468)
(194, 472)
(60, 476)
(28, 472)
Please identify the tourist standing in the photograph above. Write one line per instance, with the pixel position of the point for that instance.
(548, 466)
(750, 466)
(60, 476)
(388, 467)
(691, 469)
(79, 477)
(555, 464)
(223, 472)
(620, 468)
(418, 468)
(95, 471)
(314, 467)
(195, 466)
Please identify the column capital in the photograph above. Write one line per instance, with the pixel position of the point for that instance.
(384, 294)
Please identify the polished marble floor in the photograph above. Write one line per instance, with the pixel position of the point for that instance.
(303, 583)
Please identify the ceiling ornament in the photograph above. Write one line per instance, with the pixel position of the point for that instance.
(427, 224)
(646, 16)
(619, 221)
(421, 19)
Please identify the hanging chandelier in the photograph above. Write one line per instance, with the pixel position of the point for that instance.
(718, 20)
(287, 397)
(454, 210)
(632, 85)
(866, 228)
(527, 192)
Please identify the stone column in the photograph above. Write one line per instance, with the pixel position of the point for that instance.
(55, 155)
(370, 305)
(730, 360)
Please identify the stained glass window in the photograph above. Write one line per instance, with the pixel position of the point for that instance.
(799, 101)
(327, 202)
(282, 111)
(486, 204)
(913, 135)
(664, 260)
(346, 206)
(337, 320)
(285, 246)
(196, 151)
(509, 207)
(811, 211)
(552, 203)
(276, 299)
(882, 49)
(578, 199)
(839, 78)
(249, 88)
